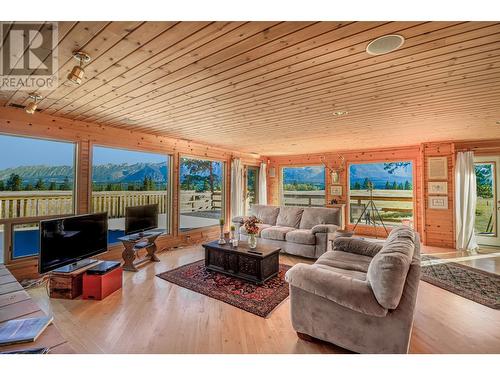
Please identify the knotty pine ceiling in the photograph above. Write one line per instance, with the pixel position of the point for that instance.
(272, 87)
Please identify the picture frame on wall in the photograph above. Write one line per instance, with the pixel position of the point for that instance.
(438, 202)
(437, 168)
(336, 190)
(437, 187)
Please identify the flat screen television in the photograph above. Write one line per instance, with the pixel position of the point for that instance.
(141, 218)
(67, 243)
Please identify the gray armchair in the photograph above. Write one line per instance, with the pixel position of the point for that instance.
(360, 296)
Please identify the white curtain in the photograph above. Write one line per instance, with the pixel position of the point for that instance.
(263, 184)
(237, 188)
(465, 201)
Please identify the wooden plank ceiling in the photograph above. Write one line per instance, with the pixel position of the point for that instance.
(272, 87)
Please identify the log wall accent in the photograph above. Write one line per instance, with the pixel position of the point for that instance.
(436, 227)
(85, 135)
(411, 153)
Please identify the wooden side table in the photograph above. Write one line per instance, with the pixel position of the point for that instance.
(133, 243)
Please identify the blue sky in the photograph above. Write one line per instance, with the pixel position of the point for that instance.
(103, 155)
(376, 171)
(21, 151)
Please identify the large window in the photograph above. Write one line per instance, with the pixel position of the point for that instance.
(252, 187)
(37, 179)
(303, 186)
(124, 178)
(391, 187)
(201, 193)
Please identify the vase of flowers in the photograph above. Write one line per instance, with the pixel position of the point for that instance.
(222, 241)
(252, 229)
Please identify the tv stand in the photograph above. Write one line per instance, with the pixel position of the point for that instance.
(74, 266)
(69, 285)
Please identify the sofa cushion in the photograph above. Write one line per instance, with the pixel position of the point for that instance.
(266, 214)
(259, 225)
(319, 215)
(346, 290)
(289, 217)
(388, 269)
(303, 236)
(358, 275)
(275, 233)
(346, 261)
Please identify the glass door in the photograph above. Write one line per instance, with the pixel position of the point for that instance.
(251, 187)
(487, 210)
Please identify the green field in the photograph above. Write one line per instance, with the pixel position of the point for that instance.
(484, 210)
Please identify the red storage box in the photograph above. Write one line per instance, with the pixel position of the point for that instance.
(98, 287)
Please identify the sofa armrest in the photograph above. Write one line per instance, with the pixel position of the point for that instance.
(344, 290)
(357, 246)
(239, 219)
(324, 228)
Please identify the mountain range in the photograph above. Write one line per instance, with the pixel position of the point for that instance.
(106, 173)
(313, 175)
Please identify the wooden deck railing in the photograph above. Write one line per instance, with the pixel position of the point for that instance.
(314, 198)
(18, 204)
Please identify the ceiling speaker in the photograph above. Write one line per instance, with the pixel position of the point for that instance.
(385, 44)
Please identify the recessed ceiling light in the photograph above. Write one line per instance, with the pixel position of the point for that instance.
(340, 113)
(385, 44)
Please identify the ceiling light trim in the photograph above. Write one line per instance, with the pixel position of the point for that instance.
(385, 44)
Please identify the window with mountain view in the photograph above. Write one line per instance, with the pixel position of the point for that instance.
(391, 187)
(201, 193)
(125, 178)
(36, 180)
(303, 186)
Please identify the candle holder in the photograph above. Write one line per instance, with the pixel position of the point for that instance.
(221, 241)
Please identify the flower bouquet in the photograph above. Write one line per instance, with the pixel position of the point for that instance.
(252, 229)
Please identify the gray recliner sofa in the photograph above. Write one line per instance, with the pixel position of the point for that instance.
(302, 231)
(360, 296)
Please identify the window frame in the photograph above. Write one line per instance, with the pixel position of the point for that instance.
(299, 165)
(494, 187)
(224, 205)
(348, 190)
(8, 224)
(248, 167)
(169, 206)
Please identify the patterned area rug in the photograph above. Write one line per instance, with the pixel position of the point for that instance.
(471, 283)
(256, 299)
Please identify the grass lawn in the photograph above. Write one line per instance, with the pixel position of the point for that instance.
(484, 210)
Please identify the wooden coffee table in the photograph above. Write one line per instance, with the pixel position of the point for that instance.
(255, 265)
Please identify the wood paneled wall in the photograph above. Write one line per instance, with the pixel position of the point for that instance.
(85, 135)
(439, 224)
(436, 227)
(411, 153)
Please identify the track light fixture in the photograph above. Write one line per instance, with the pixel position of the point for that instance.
(77, 72)
(31, 107)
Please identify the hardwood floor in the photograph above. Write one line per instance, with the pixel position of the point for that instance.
(151, 315)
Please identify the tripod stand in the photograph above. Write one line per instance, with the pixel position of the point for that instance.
(367, 213)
